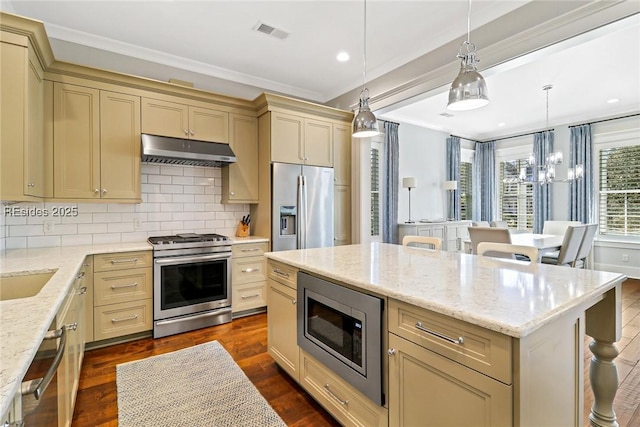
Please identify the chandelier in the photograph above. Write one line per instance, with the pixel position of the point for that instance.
(545, 173)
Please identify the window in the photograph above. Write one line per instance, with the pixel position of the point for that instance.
(516, 200)
(375, 191)
(620, 191)
(466, 190)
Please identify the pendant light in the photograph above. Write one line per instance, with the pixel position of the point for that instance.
(469, 90)
(365, 124)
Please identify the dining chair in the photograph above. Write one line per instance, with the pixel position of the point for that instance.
(480, 224)
(487, 234)
(569, 249)
(499, 224)
(507, 250)
(436, 242)
(585, 246)
(557, 228)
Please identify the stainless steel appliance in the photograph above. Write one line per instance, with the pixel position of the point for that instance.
(191, 282)
(342, 329)
(164, 149)
(302, 203)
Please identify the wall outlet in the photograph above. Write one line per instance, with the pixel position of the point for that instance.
(49, 227)
(625, 257)
(137, 223)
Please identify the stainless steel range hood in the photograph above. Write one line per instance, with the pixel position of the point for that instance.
(179, 151)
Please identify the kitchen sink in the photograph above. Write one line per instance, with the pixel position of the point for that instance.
(18, 285)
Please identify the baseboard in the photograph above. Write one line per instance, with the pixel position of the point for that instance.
(632, 272)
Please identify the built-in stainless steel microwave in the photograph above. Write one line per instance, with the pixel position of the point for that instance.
(342, 329)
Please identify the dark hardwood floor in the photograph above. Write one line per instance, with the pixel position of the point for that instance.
(246, 340)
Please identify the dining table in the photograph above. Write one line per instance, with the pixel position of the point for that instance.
(545, 243)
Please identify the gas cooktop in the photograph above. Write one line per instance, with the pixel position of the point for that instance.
(187, 238)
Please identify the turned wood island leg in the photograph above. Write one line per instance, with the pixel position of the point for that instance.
(604, 326)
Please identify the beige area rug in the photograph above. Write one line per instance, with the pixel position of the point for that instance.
(196, 386)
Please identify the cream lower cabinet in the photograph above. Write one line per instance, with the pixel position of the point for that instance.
(122, 294)
(342, 215)
(452, 233)
(21, 121)
(182, 120)
(282, 317)
(240, 179)
(248, 277)
(96, 144)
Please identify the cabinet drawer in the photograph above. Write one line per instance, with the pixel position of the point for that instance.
(122, 260)
(122, 286)
(248, 249)
(248, 270)
(248, 296)
(485, 351)
(283, 273)
(345, 403)
(126, 318)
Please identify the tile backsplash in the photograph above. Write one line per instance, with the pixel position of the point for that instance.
(175, 199)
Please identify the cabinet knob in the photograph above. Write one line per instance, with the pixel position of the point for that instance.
(31, 184)
(192, 132)
(96, 190)
(294, 302)
(186, 132)
(104, 191)
(233, 193)
(391, 351)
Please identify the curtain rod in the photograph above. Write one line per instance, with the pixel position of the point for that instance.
(463, 137)
(518, 136)
(607, 120)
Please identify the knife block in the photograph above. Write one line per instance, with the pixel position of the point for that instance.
(242, 230)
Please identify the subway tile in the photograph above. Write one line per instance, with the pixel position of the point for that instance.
(60, 229)
(193, 225)
(151, 227)
(159, 179)
(15, 242)
(214, 207)
(171, 170)
(75, 240)
(121, 207)
(171, 189)
(194, 189)
(194, 207)
(14, 220)
(107, 217)
(144, 178)
(204, 198)
(183, 216)
(148, 207)
(159, 198)
(206, 216)
(147, 168)
(92, 207)
(172, 207)
(83, 218)
(26, 230)
(194, 171)
(215, 224)
(150, 188)
(120, 227)
(170, 225)
(106, 238)
(182, 198)
(159, 216)
(92, 228)
(182, 180)
(43, 241)
(138, 236)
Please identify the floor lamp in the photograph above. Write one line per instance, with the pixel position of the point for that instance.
(409, 183)
(450, 187)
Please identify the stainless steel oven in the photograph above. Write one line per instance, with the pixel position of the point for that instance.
(191, 282)
(342, 328)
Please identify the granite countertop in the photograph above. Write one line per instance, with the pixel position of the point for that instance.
(24, 321)
(507, 296)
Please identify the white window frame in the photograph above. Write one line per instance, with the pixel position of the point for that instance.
(520, 151)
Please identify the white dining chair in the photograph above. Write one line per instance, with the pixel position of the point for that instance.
(487, 234)
(570, 246)
(419, 241)
(557, 228)
(499, 224)
(481, 224)
(507, 250)
(585, 246)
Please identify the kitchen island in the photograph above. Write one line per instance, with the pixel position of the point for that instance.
(521, 360)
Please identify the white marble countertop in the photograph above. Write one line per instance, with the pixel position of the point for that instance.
(511, 297)
(24, 321)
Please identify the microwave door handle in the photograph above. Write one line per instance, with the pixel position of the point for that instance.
(182, 260)
(39, 385)
(299, 217)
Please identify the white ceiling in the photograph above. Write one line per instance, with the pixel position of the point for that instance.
(213, 45)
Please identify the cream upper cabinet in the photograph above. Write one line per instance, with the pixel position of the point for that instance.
(240, 179)
(96, 144)
(342, 154)
(21, 121)
(342, 217)
(300, 140)
(184, 121)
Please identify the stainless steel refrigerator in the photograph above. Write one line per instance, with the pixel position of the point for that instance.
(302, 206)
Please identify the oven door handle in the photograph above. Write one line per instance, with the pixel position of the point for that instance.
(182, 260)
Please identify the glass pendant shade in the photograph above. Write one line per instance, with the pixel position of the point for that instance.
(365, 124)
(468, 91)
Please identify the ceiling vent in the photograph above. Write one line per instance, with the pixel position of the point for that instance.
(269, 30)
(446, 115)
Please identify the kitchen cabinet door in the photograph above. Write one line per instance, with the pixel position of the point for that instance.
(342, 154)
(206, 124)
(34, 141)
(240, 179)
(287, 138)
(119, 146)
(431, 390)
(165, 118)
(76, 146)
(282, 327)
(318, 143)
(342, 209)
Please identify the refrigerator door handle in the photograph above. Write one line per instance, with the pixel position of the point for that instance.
(300, 216)
(305, 210)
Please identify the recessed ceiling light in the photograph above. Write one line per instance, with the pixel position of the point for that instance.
(612, 100)
(343, 56)
(501, 124)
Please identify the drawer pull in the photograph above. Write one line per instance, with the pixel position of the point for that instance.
(458, 341)
(72, 326)
(81, 275)
(250, 270)
(122, 261)
(82, 290)
(250, 250)
(130, 285)
(134, 317)
(281, 273)
(250, 296)
(86, 265)
(332, 394)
